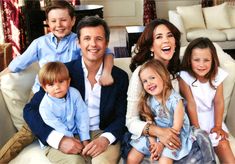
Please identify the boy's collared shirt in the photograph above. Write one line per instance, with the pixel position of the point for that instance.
(46, 49)
(55, 137)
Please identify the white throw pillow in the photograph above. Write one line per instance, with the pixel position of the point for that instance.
(192, 16)
(16, 88)
(217, 17)
(231, 11)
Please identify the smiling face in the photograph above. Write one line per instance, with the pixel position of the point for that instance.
(152, 82)
(60, 22)
(93, 43)
(163, 44)
(201, 61)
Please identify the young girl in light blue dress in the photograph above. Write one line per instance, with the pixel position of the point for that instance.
(161, 105)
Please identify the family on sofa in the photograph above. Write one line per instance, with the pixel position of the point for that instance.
(112, 107)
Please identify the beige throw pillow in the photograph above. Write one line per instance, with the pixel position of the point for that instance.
(16, 88)
(231, 11)
(217, 17)
(192, 16)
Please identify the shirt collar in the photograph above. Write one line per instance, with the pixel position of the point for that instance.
(98, 74)
(57, 100)
(54, 39)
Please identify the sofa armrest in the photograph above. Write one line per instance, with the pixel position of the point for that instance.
(177, 20)
(230, 121)
(6, 124)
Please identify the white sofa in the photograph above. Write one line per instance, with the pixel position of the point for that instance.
(216, 23)
(15, 90)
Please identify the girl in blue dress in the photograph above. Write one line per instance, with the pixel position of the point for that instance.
(161, 105)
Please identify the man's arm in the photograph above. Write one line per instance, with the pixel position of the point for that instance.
(116, 126)
(34, 119)
(68, 145)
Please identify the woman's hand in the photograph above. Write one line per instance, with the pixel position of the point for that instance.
(169, 137)
(220, 132)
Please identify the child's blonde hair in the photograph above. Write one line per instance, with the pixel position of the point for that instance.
(52, 72)
(161, 70)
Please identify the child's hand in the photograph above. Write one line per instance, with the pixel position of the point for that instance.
(85, 142)
(220, 132)
(106, 79)
(4, 72)
(156, 149)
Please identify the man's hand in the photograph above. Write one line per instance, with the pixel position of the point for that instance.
(96, 147)
(70, 145)
(169, 137)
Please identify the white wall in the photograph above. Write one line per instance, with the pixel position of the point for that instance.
(130, 12)
(120, 12)
(162, 6)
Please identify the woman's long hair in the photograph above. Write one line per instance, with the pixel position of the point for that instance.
(145, 42)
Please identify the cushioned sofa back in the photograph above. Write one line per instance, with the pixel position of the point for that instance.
(16, 88)
(6, 124)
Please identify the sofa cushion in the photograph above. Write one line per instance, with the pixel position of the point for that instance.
(231, 11)
(217, 17)
(189, 13)
(16, 88)
(230, 33)
(212, 34)
(6, 124)
(177, 20)
(32, 154)
(228, 64)
(124, 63)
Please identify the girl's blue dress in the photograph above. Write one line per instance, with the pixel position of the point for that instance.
(165, 120)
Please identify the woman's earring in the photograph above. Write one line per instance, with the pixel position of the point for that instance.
(151, 54)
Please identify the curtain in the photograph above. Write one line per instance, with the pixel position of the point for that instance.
(1, 27)
(207, 3)
(230, 2)
(13, 25)
(75, 2)
(149, 11)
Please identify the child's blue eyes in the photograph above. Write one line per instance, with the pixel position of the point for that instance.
(150, 78)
